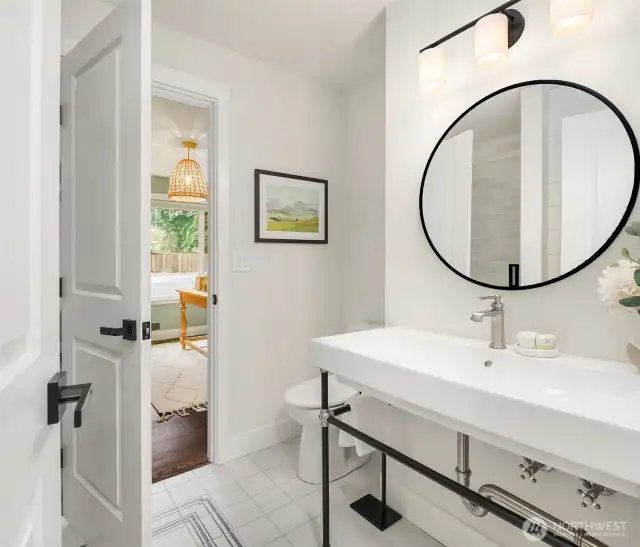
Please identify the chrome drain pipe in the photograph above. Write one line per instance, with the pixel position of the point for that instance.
(464, 475)
(553, 524)
(516, 504)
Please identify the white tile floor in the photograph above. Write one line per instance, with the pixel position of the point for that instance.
(258, 501)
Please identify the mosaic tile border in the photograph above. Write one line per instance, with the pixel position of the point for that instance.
(198, 516)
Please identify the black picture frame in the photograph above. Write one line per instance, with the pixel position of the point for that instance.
(257, 189)
(625, 217)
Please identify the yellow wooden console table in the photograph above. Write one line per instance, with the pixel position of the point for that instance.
(195, 298)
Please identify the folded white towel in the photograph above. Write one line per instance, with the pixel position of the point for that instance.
(351, 418)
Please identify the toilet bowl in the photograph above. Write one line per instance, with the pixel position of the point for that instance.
(303, 405)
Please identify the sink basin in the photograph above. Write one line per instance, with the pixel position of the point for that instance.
(577, 414)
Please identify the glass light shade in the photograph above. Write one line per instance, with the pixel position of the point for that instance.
(432, 70)
(568, 16)
(492, 39)
(187, 182)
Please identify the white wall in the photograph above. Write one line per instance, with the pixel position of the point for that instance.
(293, 292)
(422, 293)
(364, 220)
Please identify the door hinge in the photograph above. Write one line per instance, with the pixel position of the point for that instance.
(61, 458)
(61, 110)
(214, 299)
(61, 287)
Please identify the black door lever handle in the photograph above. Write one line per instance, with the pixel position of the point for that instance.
(60, 394)
(128, 330)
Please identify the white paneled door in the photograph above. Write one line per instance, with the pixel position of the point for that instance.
(106, 95)
(595, 151)
(448, 203)
(29, 146)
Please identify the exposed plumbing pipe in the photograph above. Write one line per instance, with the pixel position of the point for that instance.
(464, 475)
(557, 526)
(514, 503)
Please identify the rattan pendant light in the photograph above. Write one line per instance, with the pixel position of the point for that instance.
(187, 182)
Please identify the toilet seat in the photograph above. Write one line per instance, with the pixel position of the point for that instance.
(307, 394)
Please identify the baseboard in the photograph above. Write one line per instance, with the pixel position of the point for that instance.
(172, 334)
(260, 438)
(439, 524)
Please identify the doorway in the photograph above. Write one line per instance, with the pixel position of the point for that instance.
(180, 136)
(184, 280)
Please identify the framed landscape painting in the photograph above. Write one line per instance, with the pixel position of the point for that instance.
(290, 208)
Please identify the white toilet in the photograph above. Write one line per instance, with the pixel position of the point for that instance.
(303, 404)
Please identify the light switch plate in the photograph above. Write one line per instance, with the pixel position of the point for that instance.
(241, 262)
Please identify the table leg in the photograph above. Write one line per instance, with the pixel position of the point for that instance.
(183, 324)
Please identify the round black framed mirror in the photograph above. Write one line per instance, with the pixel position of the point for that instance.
(530, 185)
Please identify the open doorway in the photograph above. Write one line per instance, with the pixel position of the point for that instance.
(180, 364)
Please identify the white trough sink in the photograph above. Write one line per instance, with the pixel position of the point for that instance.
(576, 414)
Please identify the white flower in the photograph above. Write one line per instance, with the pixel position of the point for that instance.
(617, 282)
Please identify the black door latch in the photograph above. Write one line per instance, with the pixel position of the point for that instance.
(60, 394)
(128, 331)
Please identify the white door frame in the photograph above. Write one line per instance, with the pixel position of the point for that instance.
(186, 88)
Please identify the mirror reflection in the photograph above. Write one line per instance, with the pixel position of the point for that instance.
(529, 185)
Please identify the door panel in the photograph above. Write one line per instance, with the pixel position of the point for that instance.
(29, 335)
(96, 228)
(99, 441)
(106, 94)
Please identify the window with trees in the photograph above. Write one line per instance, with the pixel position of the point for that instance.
(179, 246)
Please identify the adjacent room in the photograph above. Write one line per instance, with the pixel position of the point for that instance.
(180, 134)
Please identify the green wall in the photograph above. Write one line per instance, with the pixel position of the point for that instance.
(159, 185)
(168, 315)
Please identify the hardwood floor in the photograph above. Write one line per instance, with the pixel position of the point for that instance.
(179, 445)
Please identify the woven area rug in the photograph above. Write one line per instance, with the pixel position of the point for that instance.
(178, 380)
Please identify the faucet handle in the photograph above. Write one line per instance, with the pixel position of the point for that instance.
(497, 301)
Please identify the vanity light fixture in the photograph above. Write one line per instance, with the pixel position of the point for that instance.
(569, 16)
(187, 182)
(496, 32)
(432, 70)
(491, 39)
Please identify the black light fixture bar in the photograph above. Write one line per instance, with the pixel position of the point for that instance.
(499, 9)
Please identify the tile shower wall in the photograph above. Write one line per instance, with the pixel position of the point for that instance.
(554, 201)
(495, 206)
